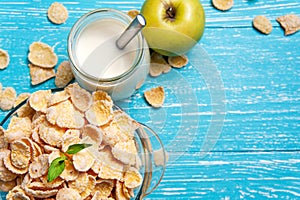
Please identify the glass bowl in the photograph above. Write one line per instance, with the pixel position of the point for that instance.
(148, 145)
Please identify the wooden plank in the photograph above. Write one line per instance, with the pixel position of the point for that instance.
(240, 15)
(232, 176)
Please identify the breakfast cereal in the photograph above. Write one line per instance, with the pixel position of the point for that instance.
(7, 98)
(42, 55)
(64, 74)
(57, 13)
(39, 75)
(68, 194)
(4, 59)
(83, 160)
(133, 13)
(81, 98)
(33, 143)
(222, 5)
(158, 65)
(178, 61)
(262, 24)
(290, 23)
(155, 96)
(99, 113)
(39, 100)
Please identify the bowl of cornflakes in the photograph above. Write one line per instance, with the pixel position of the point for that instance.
(72, 144)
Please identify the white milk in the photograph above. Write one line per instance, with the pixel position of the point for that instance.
(97, 52)
(96, 61)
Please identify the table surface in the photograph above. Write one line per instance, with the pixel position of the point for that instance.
(230, 120)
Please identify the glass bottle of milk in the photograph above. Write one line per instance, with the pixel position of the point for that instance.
(96, 61)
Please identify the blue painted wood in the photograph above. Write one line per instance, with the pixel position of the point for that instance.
(257, 153)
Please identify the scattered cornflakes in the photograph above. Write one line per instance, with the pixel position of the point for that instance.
(290, 23)
(57, 13)
(64, 74)
(158, 65)
(4, 59)
(223, 5)
(133, 13)
(42, 55)
(262, 24)
(155, 96)
(39, 75)
(178, 61)
(7, 98)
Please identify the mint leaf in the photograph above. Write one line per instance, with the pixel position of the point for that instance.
(75, 148)
(57, 166)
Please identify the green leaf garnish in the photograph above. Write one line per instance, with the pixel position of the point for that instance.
(75, 148)
(57, 166)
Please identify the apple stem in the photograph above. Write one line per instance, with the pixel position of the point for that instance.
(171, 12)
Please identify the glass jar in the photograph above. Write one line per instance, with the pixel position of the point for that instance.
(95, 63)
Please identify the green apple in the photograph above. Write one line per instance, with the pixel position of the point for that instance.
(173, 26)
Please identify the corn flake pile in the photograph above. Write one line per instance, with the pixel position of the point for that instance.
(47, 125)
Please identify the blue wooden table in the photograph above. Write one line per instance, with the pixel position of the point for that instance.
(231, 118)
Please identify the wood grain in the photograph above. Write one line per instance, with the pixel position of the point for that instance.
(257, 154)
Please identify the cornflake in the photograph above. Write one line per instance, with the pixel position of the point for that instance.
(5, 173)
(68, 194)
(39, 75)
(100, 95)
(99, 113)
(155, 96)
(8, 164)
(158, 65)
(125, 152)
(39, 100)
(20, 98)
(83, 160)
(39, 166)
(4, 59)
(262, 24)
(20, 154)
(42, 55)
(178, 61)
(290, 23)
(103, 188)
(18, 128)
(6, 186)
(132, 178)
(81, 98)
(64, 74)
(222, 5)
(65, 115)
(7, 98)
(69, 173)
(133, 13)
(57, 13)
(93, 132)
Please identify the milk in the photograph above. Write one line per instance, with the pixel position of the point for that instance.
(97, 52)
(98, 64)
